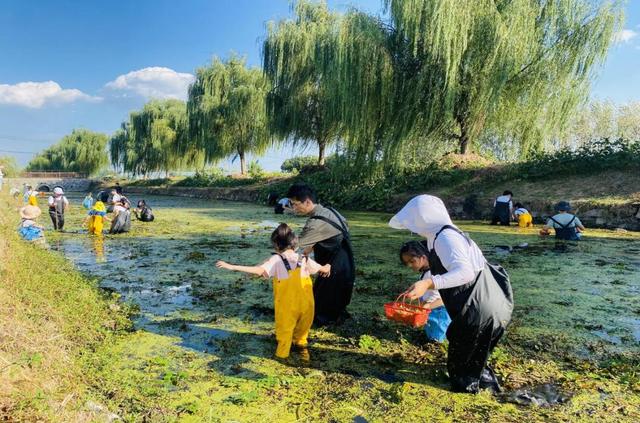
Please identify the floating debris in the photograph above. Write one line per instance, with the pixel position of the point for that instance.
(546, 395)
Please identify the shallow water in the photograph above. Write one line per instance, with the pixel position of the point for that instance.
(574, 301)
(166, 267)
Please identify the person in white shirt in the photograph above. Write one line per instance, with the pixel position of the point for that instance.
(503, 209)
(121, 220)
(58, 205)
(477, 295)
(283, 206)
(1, 178)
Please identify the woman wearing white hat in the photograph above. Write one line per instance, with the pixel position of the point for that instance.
(58, 204)
(477, 295)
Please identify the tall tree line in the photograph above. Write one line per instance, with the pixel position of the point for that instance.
(429, 76)
(152, 139)
(81, 151)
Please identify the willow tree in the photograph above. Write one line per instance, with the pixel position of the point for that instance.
(81, 151)
(227, 111)
(121, 150)
(518, 68)
(296, 53)
(150, 141)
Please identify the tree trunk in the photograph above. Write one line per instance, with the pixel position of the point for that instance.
(321, 148)
(464, 139)
(243, 168)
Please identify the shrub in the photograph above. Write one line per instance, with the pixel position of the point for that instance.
(255, 170)
(296, 164)
(10, 168)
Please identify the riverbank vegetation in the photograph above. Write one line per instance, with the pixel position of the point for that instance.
(51, 319)
(596, 171)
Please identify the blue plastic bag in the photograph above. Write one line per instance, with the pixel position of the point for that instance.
(436, 327)
(30, 233)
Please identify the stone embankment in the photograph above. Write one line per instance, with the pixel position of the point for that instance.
(250, 195)
(46, 184)
(592, 213)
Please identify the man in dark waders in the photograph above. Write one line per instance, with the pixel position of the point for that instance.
(326, 234)
(503, 209)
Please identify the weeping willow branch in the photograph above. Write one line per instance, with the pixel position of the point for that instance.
(226, 111)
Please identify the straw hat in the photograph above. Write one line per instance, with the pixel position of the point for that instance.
(30, 212)
(58, 191)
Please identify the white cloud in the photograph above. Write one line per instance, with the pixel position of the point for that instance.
(153, 82)
(36, 94)
(625, 36)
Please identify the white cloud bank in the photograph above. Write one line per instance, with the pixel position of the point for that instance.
(624, 36)
(36, 94)
(153, 82)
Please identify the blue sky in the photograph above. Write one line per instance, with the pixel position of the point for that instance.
(72, 64)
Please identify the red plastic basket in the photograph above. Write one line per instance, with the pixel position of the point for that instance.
(406, 313)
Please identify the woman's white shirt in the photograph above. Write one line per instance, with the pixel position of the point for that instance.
(461, 257)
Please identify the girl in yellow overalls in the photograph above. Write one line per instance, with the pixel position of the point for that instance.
(523, 217)
(292, 289)
(96, 217)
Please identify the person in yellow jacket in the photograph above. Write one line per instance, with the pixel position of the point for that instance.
(96, 217)
(523, 217)
(33, 200)
(292, 289)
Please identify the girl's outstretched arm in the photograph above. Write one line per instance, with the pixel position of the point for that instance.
(253, 270)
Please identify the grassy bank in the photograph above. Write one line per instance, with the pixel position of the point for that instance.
(601, 173)
(51, 318)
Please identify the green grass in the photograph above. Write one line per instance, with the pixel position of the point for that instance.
(50, 317)
(211, 360)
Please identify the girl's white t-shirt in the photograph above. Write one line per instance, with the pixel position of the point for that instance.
(27, 222)
(274, 267)
(520, 211)
(432, 294)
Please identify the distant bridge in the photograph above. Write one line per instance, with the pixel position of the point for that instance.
(46, 181)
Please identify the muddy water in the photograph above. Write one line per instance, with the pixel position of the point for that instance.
(166, 268)
(577, 296)
(205, 345)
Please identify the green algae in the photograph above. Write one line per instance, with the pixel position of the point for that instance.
(204, 344)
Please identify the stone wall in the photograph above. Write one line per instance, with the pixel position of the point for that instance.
(47, 184)
(231, 194)
(594, 215)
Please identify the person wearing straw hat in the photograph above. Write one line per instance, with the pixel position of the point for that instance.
(477, 295)
(566, 225)
(28, 229)
(58, 204)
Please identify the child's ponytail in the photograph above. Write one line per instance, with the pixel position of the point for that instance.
(284, 238)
